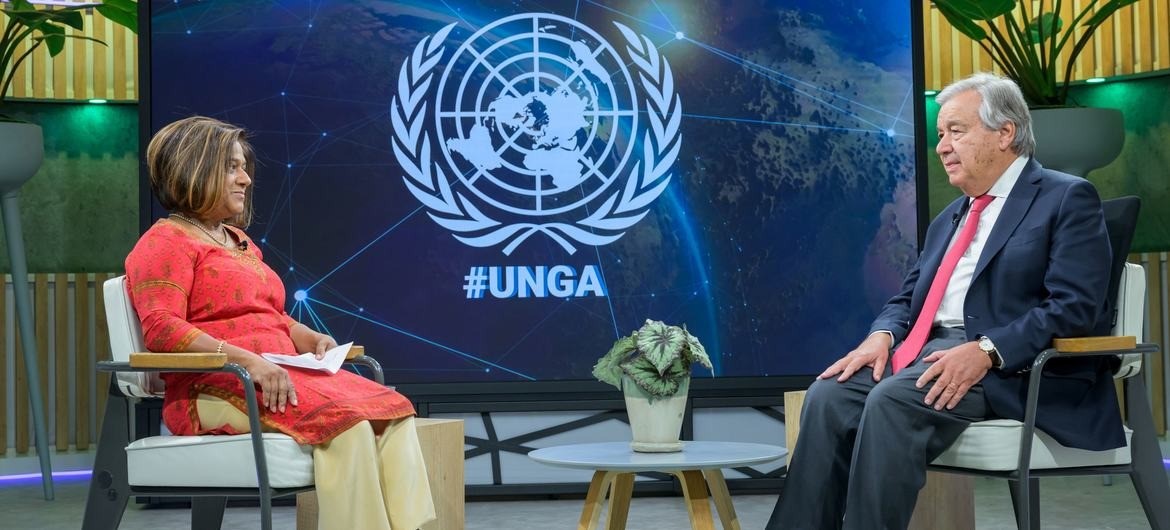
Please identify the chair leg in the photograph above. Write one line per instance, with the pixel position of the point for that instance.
(108, 489)
(1027, 509)
(207, 512)
(1149, 472)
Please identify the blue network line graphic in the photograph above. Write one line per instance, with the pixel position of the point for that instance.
(305, 138)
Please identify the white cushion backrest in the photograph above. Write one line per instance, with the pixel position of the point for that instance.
(125, 332)
(1131, 315)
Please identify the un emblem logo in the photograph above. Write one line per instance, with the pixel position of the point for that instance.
(536, 125)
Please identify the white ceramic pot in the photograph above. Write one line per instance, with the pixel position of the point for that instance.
(656, 423)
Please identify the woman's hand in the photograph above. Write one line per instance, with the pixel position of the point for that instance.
(276, 387)
(307, 340)
(323, 344)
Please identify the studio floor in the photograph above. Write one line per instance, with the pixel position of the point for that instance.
(1066, 503)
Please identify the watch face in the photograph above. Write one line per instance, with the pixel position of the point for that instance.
(986, 345)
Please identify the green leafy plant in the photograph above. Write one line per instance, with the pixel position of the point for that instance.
(46, 26)
(1027, 44)
(657, 357)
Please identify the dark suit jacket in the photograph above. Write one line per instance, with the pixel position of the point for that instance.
(1043, 274)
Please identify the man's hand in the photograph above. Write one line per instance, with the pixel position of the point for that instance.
(275, 386)
(874, 352)
(954, 372)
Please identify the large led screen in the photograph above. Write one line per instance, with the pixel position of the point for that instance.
(495, 190)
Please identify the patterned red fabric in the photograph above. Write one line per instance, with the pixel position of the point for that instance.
(181, 287)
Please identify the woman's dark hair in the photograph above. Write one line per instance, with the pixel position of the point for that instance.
(188, 163)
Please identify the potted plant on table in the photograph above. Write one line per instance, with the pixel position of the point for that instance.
(652, 367)
(1026, 45)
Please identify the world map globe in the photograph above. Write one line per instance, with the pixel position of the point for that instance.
(537, 122)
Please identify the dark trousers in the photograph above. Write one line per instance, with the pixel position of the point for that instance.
(863, 447)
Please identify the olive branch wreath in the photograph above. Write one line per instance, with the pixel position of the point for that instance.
(427, 182)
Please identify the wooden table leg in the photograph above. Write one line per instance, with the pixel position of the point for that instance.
(722, 499)
(695, 495)
(619, 501)
(598, 487)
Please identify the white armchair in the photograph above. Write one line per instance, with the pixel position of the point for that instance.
(208, 469)
(1021, 454)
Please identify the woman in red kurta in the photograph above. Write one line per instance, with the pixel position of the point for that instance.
(200, 284)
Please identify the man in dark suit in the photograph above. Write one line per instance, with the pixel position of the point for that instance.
(1033, 265)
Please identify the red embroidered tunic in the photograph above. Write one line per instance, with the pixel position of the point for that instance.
(181, 287)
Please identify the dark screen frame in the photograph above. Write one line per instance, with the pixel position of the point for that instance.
(521, 395)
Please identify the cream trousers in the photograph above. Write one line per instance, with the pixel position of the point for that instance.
(363, 481)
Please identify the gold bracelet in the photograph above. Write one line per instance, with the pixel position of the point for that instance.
(219, 348)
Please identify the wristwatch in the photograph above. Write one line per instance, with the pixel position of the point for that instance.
(988, 347)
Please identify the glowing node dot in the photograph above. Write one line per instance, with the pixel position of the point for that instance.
(290, 269)
(289, 165)
(323, 133)
(188, 32)
(679, 35)
(361, 310)
(283, 93)
(264, 240)
(890, 133)
(300, 295)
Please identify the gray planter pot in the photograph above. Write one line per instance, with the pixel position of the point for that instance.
(22, 149)
(1077, 140)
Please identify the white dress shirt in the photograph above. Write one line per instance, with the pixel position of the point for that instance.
(950, 310)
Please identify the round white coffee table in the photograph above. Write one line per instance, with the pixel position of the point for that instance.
(698, 467)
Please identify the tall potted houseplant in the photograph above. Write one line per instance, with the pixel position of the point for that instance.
(21, 153)
(1026, 44)
(21, 145)
(652, 367)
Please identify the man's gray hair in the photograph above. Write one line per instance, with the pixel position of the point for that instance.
(1002, 102)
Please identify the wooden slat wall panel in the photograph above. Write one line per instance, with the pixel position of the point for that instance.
(61, 358)
(1154, 262)
(1143, 22)
(1106, 48)
(84, 70)
(103, 78)
(82, 365)
(21, 382)
(102, 348)
(1161, 28)
(41, 327)
(64, 354)
(1127, 52)
(1135, 40)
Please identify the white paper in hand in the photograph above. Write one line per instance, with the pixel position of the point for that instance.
(330, 363)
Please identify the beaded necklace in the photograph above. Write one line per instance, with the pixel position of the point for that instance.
(192, 222)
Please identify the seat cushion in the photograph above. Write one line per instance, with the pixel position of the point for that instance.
(217, 461)
(994, 445)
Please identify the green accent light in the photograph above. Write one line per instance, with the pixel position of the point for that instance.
(99, 101)
(1092, 80)
(931, 93)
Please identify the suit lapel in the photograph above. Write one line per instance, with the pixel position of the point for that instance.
(1019, 201)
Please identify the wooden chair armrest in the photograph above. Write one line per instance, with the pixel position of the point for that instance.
(185, 360)
(1090, 344)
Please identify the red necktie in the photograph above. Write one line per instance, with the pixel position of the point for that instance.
(909, 349)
